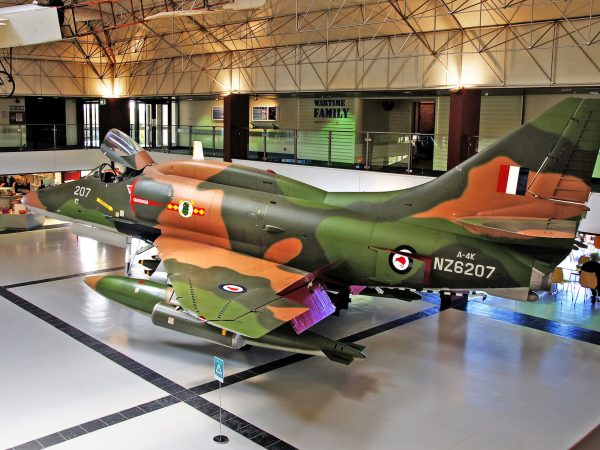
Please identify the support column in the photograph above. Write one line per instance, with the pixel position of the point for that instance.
(235, 123)
(115, 114)
(464, 122)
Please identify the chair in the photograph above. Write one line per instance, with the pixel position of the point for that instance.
(558, 278)
(587, 280)
(582, 260)
(574, 276)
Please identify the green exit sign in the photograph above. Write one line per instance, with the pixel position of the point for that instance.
(102, 102)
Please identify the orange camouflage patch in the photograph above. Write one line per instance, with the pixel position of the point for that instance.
(206, 256)
(286, 314)
(481, 191)
(142, 159)
(196, 170)
(208, 220)
(284, 251)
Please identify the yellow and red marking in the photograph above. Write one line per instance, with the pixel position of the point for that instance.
(196, 211)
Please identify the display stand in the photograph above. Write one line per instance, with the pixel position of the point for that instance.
(219, 373)
(220, 438)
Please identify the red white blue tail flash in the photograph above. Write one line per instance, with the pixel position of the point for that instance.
(512, 180)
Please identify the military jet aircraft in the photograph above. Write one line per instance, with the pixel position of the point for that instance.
(257, 258)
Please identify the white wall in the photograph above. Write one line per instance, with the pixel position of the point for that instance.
(49, 161)
(341, 180)
(60, 160)
(591, 223)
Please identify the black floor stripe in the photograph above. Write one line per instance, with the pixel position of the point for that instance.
(43, 227)
(390, 325)
(526, 320)
(177, 392)
(537, 323)
(192, 396)
(64, 277)
(292, 359)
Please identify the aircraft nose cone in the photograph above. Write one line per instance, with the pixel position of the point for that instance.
(32, 201)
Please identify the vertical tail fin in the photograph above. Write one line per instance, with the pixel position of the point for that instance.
(540, 172)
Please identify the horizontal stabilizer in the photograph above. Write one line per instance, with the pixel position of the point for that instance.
(514, 227)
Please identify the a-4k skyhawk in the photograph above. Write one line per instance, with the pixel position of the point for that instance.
(257, 258)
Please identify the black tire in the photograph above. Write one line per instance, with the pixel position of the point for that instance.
(7, 84)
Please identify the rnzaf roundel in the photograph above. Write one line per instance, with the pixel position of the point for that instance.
(400, 261)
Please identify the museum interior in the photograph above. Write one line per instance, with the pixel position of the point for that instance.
(416, 181)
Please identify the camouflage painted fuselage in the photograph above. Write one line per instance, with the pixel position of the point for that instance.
(276, 218)
(460, 231)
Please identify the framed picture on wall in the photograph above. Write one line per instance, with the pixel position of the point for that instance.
(217, 113)
(265, 113)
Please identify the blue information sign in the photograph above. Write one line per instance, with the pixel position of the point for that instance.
(219, 369)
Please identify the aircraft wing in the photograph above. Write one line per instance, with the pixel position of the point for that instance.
(230, 290)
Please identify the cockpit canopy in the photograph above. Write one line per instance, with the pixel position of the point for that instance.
(121, 149)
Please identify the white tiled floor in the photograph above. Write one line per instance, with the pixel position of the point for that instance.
(49, 381)
(452, 380)
(184, 359)
(176, 427)
(40, 254)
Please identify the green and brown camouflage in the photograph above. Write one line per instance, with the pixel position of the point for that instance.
(248, 250)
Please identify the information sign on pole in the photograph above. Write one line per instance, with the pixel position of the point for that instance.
(219, 372)
(219, 369)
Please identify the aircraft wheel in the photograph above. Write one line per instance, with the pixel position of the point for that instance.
(7, 84)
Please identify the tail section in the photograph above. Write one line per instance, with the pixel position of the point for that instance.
(534, 181)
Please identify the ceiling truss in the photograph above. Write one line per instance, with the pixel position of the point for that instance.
(314, 45)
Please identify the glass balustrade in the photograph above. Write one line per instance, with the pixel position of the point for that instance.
(47, 137)
(378, 151)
